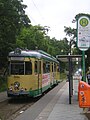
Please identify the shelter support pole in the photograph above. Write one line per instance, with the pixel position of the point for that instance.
(70, 89)
(83, 65)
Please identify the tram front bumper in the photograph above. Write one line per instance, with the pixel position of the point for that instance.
(17, 93)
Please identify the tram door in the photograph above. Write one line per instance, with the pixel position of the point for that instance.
(38, 75)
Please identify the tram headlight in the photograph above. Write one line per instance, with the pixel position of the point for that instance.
(16, 85)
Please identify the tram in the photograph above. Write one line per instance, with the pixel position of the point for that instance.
(31, 72)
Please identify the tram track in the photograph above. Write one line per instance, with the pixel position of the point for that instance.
(11, 108)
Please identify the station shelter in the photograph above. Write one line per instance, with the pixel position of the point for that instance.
(69, 59)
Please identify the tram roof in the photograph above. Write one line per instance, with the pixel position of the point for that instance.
(31, 53)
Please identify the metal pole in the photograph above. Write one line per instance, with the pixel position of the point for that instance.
(69, 80)
(83, 65)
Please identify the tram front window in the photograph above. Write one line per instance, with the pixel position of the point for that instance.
(17, 68)
(20, 68)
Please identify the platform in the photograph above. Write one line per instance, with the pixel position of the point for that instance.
(55, 106)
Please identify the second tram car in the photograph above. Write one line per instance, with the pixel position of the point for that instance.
(31, 72)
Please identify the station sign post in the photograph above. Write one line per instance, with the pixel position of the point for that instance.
(83, 37)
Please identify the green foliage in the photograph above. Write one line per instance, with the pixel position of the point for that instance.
(30, 37)
(3, 82)
(34, 36)
(71, 32)
(12, 18)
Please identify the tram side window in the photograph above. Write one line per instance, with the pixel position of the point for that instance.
(28, 68)
(46, 67)
(36, 67)
(36, 70)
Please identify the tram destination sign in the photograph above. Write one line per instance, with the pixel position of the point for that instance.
(83, 34)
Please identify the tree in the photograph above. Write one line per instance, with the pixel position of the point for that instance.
(12, 19)
(35, 36)
(31, 37)
(71, 32)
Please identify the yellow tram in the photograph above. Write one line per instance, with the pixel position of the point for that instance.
(31, 72)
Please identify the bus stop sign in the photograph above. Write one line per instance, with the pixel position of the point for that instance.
(83, 33)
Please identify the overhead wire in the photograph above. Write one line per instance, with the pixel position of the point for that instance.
(33, 19)
(37, 9)
(46, 27)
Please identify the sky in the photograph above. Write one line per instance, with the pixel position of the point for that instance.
(55, 14)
